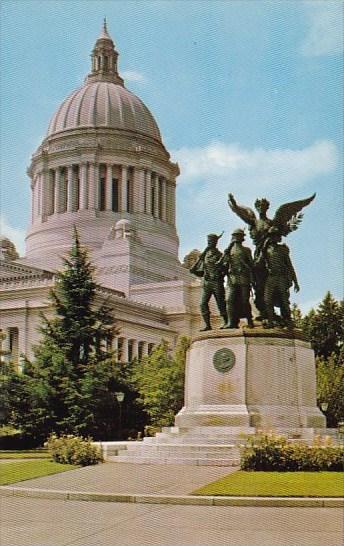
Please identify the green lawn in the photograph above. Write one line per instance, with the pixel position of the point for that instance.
(18, 471)
(27, 454)
(277, 484)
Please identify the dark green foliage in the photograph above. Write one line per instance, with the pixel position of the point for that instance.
(272, 452)
(325, 327)
(70, 386)
(159, 380)
(330, 387)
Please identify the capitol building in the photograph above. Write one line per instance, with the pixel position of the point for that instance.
(103, 168)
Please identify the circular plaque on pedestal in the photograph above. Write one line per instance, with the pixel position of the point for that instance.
(224, 360)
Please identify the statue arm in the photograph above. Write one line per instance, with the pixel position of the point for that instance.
(291, 271)
(245, 213)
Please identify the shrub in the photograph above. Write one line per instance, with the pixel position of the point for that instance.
(73, 450)
(12, 438)
(267, 451)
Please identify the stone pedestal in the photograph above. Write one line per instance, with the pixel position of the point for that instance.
(237, 381)
(250, 378)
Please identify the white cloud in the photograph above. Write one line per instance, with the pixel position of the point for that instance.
(325, 33)
(133, 76)
(208, 174)
(231, 166)
(16, 235)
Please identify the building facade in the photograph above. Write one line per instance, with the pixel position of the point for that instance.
(103, 168)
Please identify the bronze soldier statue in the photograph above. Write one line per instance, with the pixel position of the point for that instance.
(209, 267)
(238, 263)
(280, 277)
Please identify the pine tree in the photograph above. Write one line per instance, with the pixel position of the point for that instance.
(325, 327)
(70, 385)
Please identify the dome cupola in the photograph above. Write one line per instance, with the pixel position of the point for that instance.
(104, 59)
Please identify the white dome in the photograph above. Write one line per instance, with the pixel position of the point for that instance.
(104, 104)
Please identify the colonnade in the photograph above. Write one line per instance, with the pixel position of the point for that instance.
(128, 349)
(104, 187)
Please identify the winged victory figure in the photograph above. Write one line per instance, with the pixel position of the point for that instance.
(287, 218)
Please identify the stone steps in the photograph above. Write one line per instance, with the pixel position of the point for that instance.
(175, 460)
(196, 440)
(182, 450)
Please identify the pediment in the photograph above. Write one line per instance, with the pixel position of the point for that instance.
(15, 270)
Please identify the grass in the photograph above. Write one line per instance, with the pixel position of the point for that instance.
(277, 484)
(18, 471)
(27, 454)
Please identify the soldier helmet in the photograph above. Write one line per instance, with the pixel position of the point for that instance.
(238, 233)
(214, 237)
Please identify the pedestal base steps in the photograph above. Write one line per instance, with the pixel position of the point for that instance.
(212, 446)
(237, 382)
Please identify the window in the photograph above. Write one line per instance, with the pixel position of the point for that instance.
(129, 199)
(152, 199)
(160, 199)
(115, 200)
(102, 194)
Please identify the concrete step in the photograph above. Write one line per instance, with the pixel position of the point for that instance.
(194, 439)
(160, 446)
(175, 460)
(182, 454)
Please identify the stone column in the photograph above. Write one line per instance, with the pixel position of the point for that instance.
(124, 196)
(148, 190)
(173, 204)
(44, 193)
(57, 191)
(92, 186)
(138, 190)
(145, 348)
(164, 201)
(108, 191)
(51, 192)
(156, 196)
(115, 344)
(70, 187)
(33, 201)
(83, 186)
(124, 355)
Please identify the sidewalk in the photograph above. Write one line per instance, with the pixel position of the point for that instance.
(151, 484)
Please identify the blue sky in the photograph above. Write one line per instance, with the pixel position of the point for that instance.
(248, 96)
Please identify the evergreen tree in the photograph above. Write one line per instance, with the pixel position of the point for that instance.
(325, 327)
(70, 386)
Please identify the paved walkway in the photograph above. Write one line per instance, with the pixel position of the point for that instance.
(131, 478)
(38, 522)
(52, 522)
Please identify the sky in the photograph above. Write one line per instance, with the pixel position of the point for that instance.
(248, 96)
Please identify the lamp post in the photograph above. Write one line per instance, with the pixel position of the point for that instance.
(324, 406)
(120, 398)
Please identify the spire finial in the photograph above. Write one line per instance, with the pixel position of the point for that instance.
(104, 58)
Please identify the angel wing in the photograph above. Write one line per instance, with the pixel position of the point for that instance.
(289, 216)
(245, 213)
